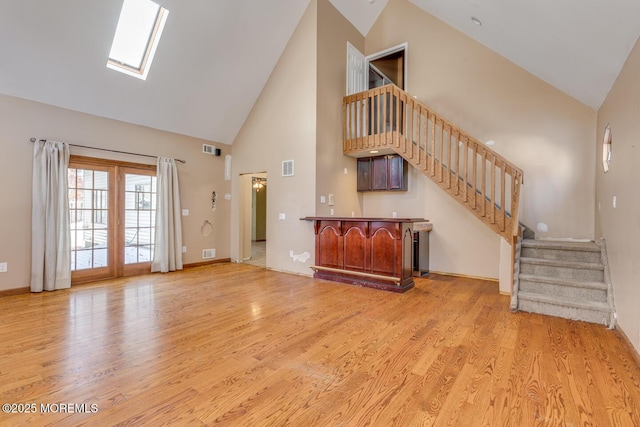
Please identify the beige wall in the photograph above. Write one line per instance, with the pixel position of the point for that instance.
(620, 225)
(459, 242)
(21, 119)
(544, 131)
(333, 33)
(282, 126)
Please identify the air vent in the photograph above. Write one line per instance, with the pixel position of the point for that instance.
(287, 168)
(208, 253)
(210, 149)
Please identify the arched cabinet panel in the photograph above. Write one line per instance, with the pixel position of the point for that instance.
(329, 251)
(355, 246)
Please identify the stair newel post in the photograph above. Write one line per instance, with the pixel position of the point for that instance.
(397, 104)
(345, 103)
(375, 119)
(384, 110)
(515, 202)
(359, 106)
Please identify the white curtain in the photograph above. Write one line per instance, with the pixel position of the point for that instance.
(50, 238)
(168, 242)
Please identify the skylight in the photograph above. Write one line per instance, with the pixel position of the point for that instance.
(137, 36)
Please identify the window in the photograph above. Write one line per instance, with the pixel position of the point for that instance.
(137, 36)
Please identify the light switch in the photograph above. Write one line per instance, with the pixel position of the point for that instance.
(185, 212)
(282, 216)
(323, 199)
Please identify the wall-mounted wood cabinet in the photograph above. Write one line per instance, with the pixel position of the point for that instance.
(382, 173)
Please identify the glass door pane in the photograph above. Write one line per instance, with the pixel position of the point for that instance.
(139, 217)
(89, 203)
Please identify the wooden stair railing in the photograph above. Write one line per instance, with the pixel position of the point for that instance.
(478, 177)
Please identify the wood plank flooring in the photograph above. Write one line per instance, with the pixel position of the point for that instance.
(236, 345)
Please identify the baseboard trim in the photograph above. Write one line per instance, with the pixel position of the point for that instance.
(462, 276)
(203, 263)
(627, 343)
(16, 291)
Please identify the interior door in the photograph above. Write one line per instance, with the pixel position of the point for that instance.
(356, 70)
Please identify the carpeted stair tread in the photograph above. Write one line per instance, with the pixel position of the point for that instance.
(564, 282)
(566, 264)
(564, 301)
(561, 245)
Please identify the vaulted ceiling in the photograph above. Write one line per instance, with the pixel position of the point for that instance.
(216, 55)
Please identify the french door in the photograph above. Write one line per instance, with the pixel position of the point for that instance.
(112, 218)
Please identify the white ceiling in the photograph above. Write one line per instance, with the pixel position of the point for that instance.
(216, 55)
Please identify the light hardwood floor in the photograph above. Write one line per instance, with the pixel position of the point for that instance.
(236, 345)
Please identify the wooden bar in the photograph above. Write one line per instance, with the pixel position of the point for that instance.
(370, 252)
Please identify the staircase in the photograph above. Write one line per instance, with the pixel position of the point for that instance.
(387, 119)
(564, 279)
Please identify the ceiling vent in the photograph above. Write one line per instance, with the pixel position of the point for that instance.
(210, 149)
(287, 168)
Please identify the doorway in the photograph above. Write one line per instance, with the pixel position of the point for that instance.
(112, 218)
(378, 69)
(255, 188)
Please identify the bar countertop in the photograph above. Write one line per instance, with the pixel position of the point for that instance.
(361, 219)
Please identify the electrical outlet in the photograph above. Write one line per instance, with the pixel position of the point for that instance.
(331, 200)
(3, 267)
(282, 216)
(184, 249)
(185, 212)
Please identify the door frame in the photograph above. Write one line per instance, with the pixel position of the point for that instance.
(115, 228)
(402, 47)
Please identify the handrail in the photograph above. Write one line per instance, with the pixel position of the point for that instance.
(472, 173)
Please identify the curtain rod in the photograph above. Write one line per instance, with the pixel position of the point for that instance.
(107, 149)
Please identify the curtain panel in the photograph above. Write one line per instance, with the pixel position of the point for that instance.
(168, 241)
(50, 238)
